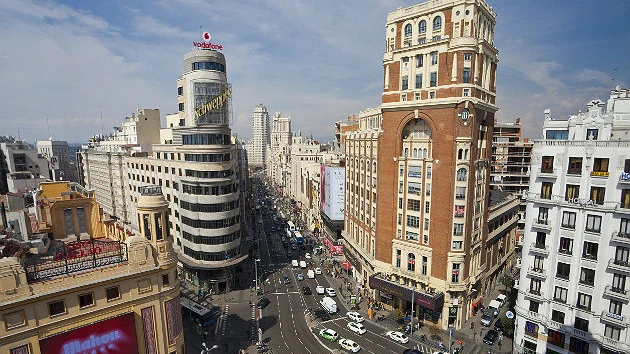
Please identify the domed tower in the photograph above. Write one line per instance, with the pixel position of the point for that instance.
(153, 222)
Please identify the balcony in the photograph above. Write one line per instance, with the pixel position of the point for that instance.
(548, 173)
(537, 273)
(621, 237)
(616, 293)
(615, 345)
(613, 318)
(539, 248)
(536, 294)
(619, 265)
(456, 286)
(541, 224)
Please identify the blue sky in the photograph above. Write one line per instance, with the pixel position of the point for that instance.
(316, 61)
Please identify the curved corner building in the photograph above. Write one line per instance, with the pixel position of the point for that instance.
(198, 164)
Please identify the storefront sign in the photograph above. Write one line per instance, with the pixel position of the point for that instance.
(22, 349)
(625, 176)
(216, 103)
(335, 249)
(600, 173)
(206, 44)
(113, 336)
(429, 301)
(582, 202)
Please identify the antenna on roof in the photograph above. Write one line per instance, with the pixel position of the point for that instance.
(101, 120)
(612, 77)
(48, 125)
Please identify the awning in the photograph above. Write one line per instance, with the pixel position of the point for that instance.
(346, 265)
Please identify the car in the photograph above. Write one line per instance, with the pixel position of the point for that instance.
(356, 327)
(501, 299)
(486, 319)
(323, 314)
(331, 292)
(397, 336)
(412, 351)
(318, 271)
(307, 290)
(262, 303)
(287, 280)
(307, 256)
(355, 317)
(329, 334)
(300, 276)
(320, 290)
(490, 337)
(350, 345)
(498, 325)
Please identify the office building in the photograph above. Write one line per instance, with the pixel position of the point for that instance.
(257, 147)
(573, 295)
(60, 165)
(428, 241)
(90, 284)
(21, 168)
(279, 152)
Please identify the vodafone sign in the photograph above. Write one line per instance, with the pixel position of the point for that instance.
(206, 44)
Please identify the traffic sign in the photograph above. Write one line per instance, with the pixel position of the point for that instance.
(509, 314)
(459, 342)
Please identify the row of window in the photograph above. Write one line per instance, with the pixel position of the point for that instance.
(210, 190)
(207, 157)
(209, 208)
(572, 192)
(211, 224)
(422, 26)
(212, 240)
(208, 65)
(209, 174)
(212, 256)
(600, 165)
(206, 139)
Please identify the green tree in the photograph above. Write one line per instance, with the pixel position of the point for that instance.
(508, 327)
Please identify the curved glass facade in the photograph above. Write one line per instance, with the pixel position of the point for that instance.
(211, 224)
(212, 256)
(211, 240)
(210, 190)
(208, 65)
(209, 174)
(206, 139)
(209, 208)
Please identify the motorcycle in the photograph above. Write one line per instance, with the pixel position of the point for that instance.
(423, 338)
(380, 318)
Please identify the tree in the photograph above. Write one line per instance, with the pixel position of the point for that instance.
(508, 326)
(508, 282)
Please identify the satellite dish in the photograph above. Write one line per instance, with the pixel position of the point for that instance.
(509, 314)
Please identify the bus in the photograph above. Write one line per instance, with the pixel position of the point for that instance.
(290, 229)
(198, 313)
(298, 238)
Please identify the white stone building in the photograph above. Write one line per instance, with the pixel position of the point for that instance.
(56, 151)
(21, 167)
(260, 137)
(279, 152)
(572, 293)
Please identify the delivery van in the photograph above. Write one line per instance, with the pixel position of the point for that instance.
(310, 274)
(329, 304)
(494, 307)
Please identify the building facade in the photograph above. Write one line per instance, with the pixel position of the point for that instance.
(56, 151)
(433, 166)
(199, 165)
(279, 152)
(114, 290)
(22, 168)
(257, 149)
(572, 294)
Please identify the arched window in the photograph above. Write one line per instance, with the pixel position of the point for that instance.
(408, 30)
(466, 154)
(406, 152)
(465, 114)
(425, 153)
(422, 27)
(411, 262)
(461, 174)
(374, 167)
(437, 23)
(459, 154)
(415, 152)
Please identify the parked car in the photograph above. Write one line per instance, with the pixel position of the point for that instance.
(329, 334)
(350, 345)
(498, 325)
(486, 319)
(318, 271)
(287, 280)
(490, 337)
(397, 336)
(307, 290)
(323, 314)
(355, 317)
(307, 256)
(356, 327)
(300, 276)
(320, 290)
(262, 303)
(502, 299)
(331, 292)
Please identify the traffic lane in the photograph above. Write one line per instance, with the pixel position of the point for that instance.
(373, 340)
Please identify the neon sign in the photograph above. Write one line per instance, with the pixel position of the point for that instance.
(92, 343)
(216, 103)
(206, 44)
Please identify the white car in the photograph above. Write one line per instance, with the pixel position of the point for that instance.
(307, 256)
(331, 292)
(350, 345)
(355, 317)
(320, 290)
(318, 271)
(356, 328)
(397, 336)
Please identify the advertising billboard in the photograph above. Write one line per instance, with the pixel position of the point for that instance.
(332, 187)
(116, 335)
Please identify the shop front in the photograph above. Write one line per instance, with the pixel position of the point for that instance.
(336, 247)
(423, 305)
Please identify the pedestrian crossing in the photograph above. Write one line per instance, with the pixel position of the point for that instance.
(224, 319)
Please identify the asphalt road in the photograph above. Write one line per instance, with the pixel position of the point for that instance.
(286, 322)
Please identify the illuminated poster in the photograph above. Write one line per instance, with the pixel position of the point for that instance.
(113, 336)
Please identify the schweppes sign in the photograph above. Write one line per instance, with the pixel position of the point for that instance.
(216, 103)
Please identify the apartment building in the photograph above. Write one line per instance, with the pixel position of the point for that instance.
(22, 168)
(572, 295)
(56, 151)
(279, 152)
(88, 283)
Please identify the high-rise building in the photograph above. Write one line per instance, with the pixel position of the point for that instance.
(257, 147)
(21, 167)
(56, 151)
(428, 242)
(200, 167)
(279, 153)
(573, 294)
(89, 284)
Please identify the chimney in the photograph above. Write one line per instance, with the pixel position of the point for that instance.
(518, 120)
